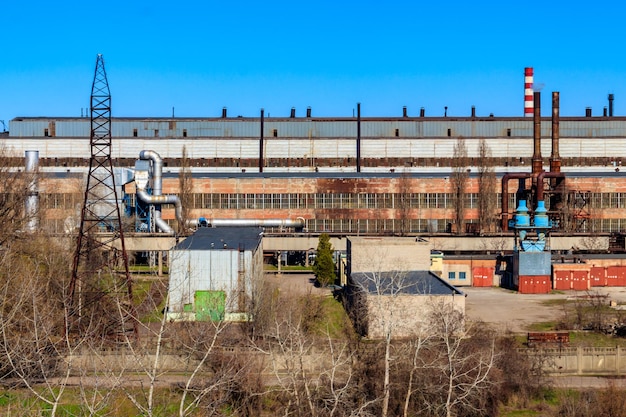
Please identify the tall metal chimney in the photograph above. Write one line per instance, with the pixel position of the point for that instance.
(555, 159)
(611, 97)
(422, 112)
(473, 111)
(537, 162)
(31, 209)
(358, 137)
(293, 112)
(224, 113)
(404, 114)
(261, 142)
(308, 112)
(528, 91)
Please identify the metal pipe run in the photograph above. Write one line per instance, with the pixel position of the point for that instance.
(157, 187)
(298, 223)
(540, 179)
(31, 209)
(504, 202)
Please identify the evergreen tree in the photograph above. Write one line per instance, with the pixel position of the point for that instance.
(324, 267)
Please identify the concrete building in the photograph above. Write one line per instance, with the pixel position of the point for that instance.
(213, 274)
(391, 291)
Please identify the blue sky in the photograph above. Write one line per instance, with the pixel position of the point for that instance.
(199, 56)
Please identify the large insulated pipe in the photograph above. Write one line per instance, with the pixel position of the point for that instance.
(358, 137)
(504, 202)
(298, 223)
(261, 142)
(528, 91)
(157, 188)
(31, 208)
(611, 98)
(537, 162)
(555, 159)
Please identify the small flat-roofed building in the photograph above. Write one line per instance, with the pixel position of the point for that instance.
(213, 273)
(383, 298)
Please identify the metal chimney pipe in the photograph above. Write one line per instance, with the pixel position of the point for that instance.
(555, 159)
(588, 112)
(422, 112)
(31, 209)
(308, 112)
(358, 137)
(261, 142)
(293, 112)
(537, 162)
(404, 114)
(604, 112)
(611, 97)
(224, 112)
(473, 111)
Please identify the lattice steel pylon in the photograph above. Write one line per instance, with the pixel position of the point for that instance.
(100, 296)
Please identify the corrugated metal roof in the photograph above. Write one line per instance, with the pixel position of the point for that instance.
(223, 238)
(432, 127)
(412, 282)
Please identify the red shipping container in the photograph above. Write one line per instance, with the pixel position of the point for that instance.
(562, 280)
(580, 280)
(534, 284)
(482, 276)
(598, 276)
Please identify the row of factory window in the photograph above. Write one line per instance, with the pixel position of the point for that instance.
(328, 201)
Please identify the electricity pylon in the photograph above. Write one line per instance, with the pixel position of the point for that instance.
(101, 281)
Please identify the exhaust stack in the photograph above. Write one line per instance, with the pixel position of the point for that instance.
(31, 209)
(528, 91)
(537, 163)
(555, 159)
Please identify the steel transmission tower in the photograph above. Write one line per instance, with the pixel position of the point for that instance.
(101, 279)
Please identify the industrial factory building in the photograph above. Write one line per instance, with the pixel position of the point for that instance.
(403, 176)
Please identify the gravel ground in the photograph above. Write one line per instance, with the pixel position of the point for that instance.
(508, 310)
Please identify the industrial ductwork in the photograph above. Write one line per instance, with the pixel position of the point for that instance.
(204, 222)
(142, 177)
(149, 171)
(31, 209)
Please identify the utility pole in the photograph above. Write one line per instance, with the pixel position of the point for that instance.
(100, 275)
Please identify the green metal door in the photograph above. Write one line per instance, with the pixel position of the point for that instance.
(210, 305)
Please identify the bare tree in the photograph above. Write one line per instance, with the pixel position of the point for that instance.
(458, 183)
(487, 197)
(185, 189)
(463, 364)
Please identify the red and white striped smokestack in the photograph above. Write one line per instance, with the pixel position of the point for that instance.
(528, 92)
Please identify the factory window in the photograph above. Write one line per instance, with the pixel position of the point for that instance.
(275, 133)
(397, 132)
(156, 133)
(461, 275)
(134, 133)
(451, 275)
(508, 132)
(46, 133)
(184, 133)
(449, 132)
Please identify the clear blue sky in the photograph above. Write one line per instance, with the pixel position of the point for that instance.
(199, 56)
